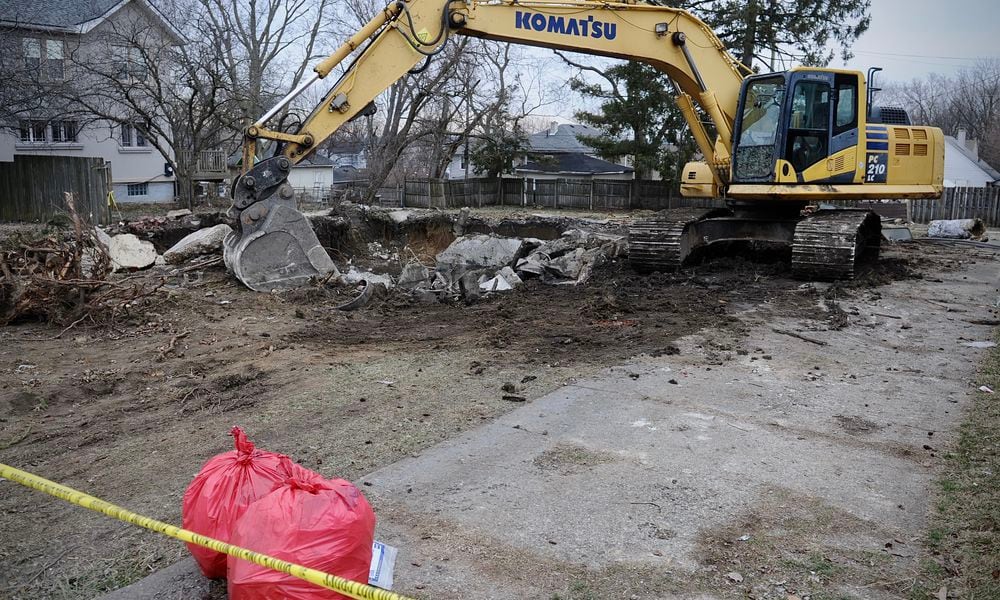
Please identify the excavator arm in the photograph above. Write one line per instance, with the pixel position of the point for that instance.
(275, 247)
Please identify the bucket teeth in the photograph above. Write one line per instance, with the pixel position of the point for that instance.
(275, 248)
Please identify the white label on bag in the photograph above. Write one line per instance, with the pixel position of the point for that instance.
(383, 563)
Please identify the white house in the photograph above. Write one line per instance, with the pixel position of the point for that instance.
(49, 30)
(962, 165)
(313, 176)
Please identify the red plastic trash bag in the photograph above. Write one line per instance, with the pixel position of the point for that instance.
(325, 524)
(223, 489)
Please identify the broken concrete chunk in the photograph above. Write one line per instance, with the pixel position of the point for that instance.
(568, 265)
(961, 229)
(532, 265)
(400, 216)
(509, 276)
(356, 276)
(101, 236)
(173, 215)
(497, 284)
(469, 286)
(129, 252)
(414, 275)
(481, 251)
(462, 221)
(203, 241)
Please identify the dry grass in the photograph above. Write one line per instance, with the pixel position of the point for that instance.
(963, 540)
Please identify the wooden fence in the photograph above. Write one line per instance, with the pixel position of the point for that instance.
(585, 194)
(960, 203)
(615, 194)
(32, 187)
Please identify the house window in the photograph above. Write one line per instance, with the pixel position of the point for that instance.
(33, 131)
(130, 64)
(54, 63)
(32, 49)
(64, 131)
(132, 136)
(44, 53)
(138, 189)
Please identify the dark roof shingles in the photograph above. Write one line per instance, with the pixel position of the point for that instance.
(53, 13)
(573, 163)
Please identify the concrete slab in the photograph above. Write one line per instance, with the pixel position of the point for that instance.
(663, 477)
(635, 468)
(180, 581)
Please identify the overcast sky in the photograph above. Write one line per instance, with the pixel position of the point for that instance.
(911, 38)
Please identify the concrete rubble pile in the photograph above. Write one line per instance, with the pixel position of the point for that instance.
(474, 265)
(130, 253)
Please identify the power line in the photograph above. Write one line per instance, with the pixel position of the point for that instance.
(968, 58)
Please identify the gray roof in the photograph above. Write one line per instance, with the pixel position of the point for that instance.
(563, 140)
(573, 163)
(346, 148)
(315, 160)
(54, 13)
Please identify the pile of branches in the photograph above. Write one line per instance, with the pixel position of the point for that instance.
(63, 278)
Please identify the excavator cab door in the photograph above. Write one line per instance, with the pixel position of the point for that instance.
(790, 123)
(807, 140)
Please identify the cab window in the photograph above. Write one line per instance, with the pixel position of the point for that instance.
(847, 104)
(809, 126)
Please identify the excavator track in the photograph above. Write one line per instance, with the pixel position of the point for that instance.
(662, 243)
(831, 244)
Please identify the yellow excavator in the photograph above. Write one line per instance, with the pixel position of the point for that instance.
(779, 143)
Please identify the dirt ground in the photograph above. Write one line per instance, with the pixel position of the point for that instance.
(129, 411)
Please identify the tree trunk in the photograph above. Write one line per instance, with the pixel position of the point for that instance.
(749, 35)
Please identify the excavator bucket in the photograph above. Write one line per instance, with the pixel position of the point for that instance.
(273, 247)
(282, 253)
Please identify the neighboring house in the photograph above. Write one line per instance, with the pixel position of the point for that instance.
(558, 152)
(348, 154)
(50, 30)
(314, 175)
(573, 165)
(456, 168)
(962, 165)
(347, 173)
(562, 139)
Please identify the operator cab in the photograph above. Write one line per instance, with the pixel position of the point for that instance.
(790, 123)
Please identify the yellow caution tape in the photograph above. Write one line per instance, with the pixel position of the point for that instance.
(356, 590)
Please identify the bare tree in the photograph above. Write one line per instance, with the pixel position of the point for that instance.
(431, 112)
(263, 47)
(135, 77)
(970, 100)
